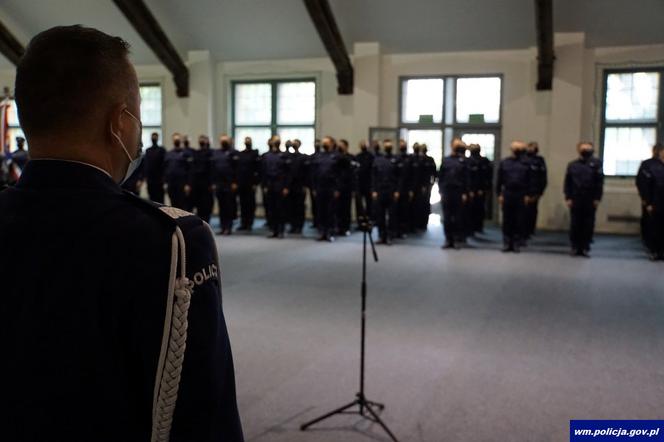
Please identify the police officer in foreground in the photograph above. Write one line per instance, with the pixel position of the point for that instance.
(326, 174)
(584, 185)
(298, 192)
(107, 336)
(481, 182)
(202, 198)
(643, 179)
(538, 165)
(454, 185)
(153, 169)
(385, 185)
(653, 199)
(248, 167)
(515, 186)
(276, 186)
(224, 182)
(177, 163)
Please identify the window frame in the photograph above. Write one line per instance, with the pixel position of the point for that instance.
(658, 124)
(153, 128)
(449, 105)
(274, 124)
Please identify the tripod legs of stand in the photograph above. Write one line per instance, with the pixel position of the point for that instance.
(363, 405)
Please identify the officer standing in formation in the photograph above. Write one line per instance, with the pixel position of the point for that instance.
(177, 163)
(153, 169)
(515, 188)
(299, 173)
(248, 178)
(364, 161)
(224, 183)
(404, 213)
(650, 184)
(347, 187)
(424, 176)
(538, 165)
(454, 184)
(481, 184)
(584, 185)
(325, 175)
(275, 180)
(386, 183)
(202, 198)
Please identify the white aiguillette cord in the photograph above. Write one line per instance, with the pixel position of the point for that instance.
(173, 343)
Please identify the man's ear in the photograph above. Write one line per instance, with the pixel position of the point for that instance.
(116, 122)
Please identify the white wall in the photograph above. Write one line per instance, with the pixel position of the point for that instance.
(557, 118)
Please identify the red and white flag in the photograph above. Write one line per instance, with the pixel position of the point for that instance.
(4, 125)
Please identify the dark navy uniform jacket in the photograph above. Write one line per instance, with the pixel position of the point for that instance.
(365, 160)
(515, 178)
(653, 187)
(153, 164)
(481, 172)
(347, 176)
(275, 174)
(406, 184)
(454, 175)
(584, 180)
(327, 171)
(224, 168)
(644, 176)
(177, 164)
(538, 165)
(201, 168)
(83, 303)
(248, 167)
(386, 174)
(298, 170)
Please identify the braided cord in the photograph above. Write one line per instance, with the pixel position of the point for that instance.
(175, 338)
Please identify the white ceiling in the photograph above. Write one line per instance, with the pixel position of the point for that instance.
(269, 29)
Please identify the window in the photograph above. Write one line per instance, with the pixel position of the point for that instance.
(631, 119)
(264, 108)
(433, 110)
(150, 112)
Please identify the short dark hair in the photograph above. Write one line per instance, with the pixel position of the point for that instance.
(66, 75)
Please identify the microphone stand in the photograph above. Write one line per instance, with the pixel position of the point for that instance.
(366, 408)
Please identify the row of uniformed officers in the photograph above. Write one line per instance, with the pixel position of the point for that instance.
(392, 189)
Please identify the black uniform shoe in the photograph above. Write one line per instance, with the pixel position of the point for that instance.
(447, 245)
(330, 238)
(508, 248)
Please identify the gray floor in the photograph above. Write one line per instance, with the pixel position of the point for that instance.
(469, 345)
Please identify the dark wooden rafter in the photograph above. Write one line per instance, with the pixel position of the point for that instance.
(545, 55)
(323, 19)
(154, 36)
(10, 47)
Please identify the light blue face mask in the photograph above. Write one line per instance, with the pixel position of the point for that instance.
(133, 163)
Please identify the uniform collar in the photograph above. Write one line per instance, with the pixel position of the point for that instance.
(65, 174)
